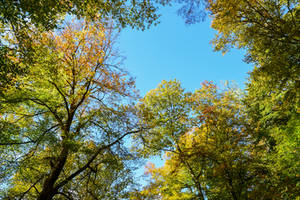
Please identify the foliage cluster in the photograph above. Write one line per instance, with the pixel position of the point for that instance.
(67, 106)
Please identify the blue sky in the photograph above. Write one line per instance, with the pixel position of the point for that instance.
(173, 50)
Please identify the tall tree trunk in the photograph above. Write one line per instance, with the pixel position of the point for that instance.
(48, 190)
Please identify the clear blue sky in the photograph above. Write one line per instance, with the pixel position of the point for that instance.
(174, 50)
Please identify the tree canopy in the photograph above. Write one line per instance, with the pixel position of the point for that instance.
(208, 142)
(72, 125)
(269, 31)
(64, 120)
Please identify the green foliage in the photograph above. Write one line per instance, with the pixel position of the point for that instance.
(49, 13)
(63, 120)
(269, 31)
(65, 108)
(207, 138)
(20, 19)
(164, 112)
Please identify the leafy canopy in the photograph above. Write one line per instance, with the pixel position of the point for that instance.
(208, 142)
(64, 120)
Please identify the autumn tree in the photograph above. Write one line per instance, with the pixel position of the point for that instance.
(20, 17)
(269, 31)
(207, 139)
(64, 121)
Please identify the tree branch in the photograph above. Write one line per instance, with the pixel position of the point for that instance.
(32, 186)
(30, 141)
(16, 143)
(63, 194)
(62, 95)
(80, 170)
(40, 102)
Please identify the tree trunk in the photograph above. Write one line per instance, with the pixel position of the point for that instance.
(47, 194)
(48, 190)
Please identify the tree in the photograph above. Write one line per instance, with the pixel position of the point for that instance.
(63, 122)
(20, 17)
(269, 31)
(210, 151)
(48, 13)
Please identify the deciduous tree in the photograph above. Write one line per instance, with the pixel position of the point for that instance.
(210, 151)
(64, 121)
(269, 31)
